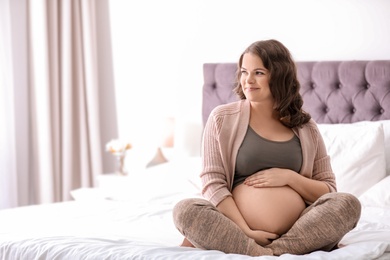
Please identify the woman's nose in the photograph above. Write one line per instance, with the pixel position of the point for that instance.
(250, 79)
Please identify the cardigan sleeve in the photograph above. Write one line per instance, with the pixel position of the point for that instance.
(322, 168)
(213, 176)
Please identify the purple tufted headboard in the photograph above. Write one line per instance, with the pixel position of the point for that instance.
(333, 91)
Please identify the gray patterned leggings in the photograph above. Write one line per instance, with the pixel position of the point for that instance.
(320, 227)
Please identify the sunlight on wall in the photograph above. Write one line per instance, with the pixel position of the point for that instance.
(159, 47)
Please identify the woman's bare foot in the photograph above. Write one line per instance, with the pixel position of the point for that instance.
(186, 243)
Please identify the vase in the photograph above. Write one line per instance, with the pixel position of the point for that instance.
(121, 169)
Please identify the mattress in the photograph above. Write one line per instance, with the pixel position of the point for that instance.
(137, 224)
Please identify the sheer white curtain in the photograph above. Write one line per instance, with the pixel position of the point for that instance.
(8, 180)
(50, 139)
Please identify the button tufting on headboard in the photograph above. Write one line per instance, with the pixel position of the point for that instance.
(333, 91)
(219, 81)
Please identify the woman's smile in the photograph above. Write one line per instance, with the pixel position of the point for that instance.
(251, 88)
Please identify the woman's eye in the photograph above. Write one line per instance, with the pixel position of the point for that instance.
(259, 73)
(243, 72)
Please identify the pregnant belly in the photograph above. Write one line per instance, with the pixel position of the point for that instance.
(270, 209)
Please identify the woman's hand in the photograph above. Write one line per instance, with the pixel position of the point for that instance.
(262, 238)
(309, 189)
(274, 177)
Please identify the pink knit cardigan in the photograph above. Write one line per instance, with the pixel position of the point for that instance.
(223, 134)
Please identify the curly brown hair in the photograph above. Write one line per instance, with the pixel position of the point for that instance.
(283, 82)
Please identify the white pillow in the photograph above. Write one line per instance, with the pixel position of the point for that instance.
(386, 129)
(187, 138)
(164, 183)
(378, 195)
(357, 154)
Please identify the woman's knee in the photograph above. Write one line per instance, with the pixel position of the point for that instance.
(347, 204)
(352, 203)
(186, 211)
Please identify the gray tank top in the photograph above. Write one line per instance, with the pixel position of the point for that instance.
(257, 153)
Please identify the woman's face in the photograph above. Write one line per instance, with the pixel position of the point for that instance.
(255, 79)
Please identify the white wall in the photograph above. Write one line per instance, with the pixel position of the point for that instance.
(159, 46)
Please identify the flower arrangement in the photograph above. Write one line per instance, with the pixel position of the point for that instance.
(116, 146)
(119, 148)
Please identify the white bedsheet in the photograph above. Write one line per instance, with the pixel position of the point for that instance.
(124, 230)
(136, 223)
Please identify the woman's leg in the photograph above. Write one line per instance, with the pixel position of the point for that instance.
(205, 227)
(321, 225)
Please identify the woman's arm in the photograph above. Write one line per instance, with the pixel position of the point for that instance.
(322, 179)
(309, 189)
(229, 208)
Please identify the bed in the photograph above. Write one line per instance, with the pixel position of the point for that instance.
(350, 100)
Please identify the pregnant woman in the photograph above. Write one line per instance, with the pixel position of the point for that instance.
(267, 180)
